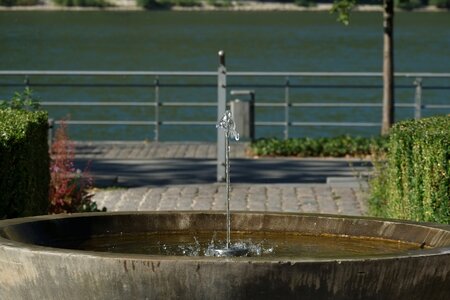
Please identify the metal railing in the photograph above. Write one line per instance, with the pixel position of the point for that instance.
(418, 83)
(219, 82)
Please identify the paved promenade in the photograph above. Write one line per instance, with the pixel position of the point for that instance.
(309, 198)
(181, 176)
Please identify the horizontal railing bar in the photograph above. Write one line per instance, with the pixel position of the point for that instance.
(92, 85)
(435, 87)
(341, 124)
(105, 73)
(211, 104)
(337, 74)
(194, 85)
(69, 103)
(435, 106)
(110, 122)
(310, 86)
(209, 123)
(187, 104)
(98, 122)
(211, 73)
(119, 85)
(78, 103)
(336, 104)
(293, 104)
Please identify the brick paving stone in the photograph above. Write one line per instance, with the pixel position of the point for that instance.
(128, 201)
(181, 149)
(290, 201)
(202, 203)
(320, 198)
(150, 201)
(274, 199)
(110, 199)
(306, 199)
(346, 201)
(325, 200)
(257, 196)
(154, 150)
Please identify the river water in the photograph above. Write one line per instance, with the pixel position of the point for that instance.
(189, 41)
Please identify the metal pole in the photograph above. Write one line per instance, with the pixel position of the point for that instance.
(157, 104)
(252, 116)
(227, 175)
(51, 128)
(27, 81)
(418, 98)
(221, 107)
(286, 109)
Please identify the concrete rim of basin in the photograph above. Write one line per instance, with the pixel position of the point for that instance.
(29, 271)
(435, 236)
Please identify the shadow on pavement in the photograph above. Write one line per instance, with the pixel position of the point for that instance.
(133, 173)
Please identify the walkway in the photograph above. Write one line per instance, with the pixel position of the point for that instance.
(182, 176)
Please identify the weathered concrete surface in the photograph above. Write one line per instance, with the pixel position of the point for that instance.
(28, 271)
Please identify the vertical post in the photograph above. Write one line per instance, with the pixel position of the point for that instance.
(26, 81)
(388, 66)
(244, 114)
(221, 107)
(418, 98)
(252, 116)
(286, 109)
(51, 128)
(157, 104)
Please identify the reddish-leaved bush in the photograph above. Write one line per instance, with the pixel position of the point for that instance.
(69, 187)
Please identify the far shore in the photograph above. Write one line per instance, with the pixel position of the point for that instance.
(127, 5)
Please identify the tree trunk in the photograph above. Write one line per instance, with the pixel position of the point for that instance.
(388, 66)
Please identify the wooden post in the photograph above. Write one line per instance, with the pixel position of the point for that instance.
(388, 66)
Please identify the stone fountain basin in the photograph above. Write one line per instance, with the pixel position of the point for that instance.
(30, 268)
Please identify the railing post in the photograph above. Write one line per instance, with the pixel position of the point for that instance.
(286, 109)
(51, 130)
(27, 81)
(157, 104)
(418, 98)
(221, 107)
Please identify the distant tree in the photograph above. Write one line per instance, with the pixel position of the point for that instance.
(343, 8)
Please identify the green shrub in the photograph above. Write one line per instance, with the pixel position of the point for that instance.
(337, 146)
(220, 3)
(83, 3)
(414, 183)
(305, 3)
(18, 2)
(155, 4)
(24, 161)
(148, 4)
(440, 3)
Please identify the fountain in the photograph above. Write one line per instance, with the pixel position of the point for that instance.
(182, 255)
(227, 124)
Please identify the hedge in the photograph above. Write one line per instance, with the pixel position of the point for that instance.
(24, 161)
(339, 146)
(416, 181)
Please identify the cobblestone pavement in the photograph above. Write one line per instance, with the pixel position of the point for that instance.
(154, 150)
(170, 162)
(308, 198)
